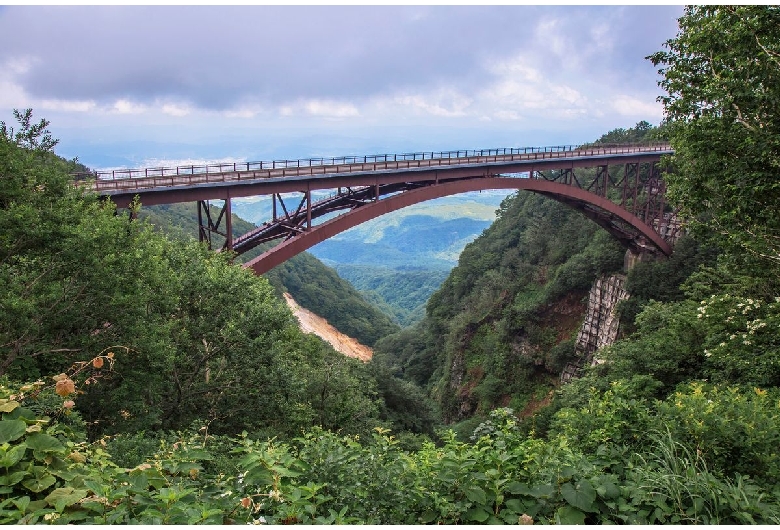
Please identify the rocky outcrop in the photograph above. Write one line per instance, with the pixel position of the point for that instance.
(601, 324)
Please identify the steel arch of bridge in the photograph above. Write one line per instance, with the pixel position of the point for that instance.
(627, 227)
(626, 196)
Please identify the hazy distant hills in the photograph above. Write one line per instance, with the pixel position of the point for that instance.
(398, 260)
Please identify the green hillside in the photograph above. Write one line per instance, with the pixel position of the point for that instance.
(314, 286)
(151, 331)
(501, 327)
(401, 293)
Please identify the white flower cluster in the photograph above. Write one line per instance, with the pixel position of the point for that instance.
(755, 325)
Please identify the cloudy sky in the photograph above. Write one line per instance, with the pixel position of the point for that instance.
(140, 85)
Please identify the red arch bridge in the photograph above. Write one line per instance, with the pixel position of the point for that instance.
(620, 187)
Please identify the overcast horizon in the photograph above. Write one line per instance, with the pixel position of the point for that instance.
(134, 86)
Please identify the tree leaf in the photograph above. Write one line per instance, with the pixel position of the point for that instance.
(12, 478)
(543, 491)
(8, 405)
(476, 495)
(570, 515)
(518, 488)
(582, 495)
(12, 455)
(62, 497)
(11, 430)
(516, 505)
(22, 503)
(43, 442)
(38, 484)
(607, 488)
(477, 514)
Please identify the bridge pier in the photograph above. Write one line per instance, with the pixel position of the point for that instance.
(631, 258)
(207, 226)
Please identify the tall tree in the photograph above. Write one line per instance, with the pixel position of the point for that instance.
(189, 336)
(722, 78)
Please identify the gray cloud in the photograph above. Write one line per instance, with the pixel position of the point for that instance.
(124, 85)
(220, 58)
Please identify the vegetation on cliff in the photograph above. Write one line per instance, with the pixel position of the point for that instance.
(502, 326)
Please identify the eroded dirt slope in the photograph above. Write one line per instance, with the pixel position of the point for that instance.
(311, 323)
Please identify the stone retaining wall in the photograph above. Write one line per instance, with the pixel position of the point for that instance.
(601, 324)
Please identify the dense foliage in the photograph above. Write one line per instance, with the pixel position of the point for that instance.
(722, 78)
(679, 425)
(52, 476)
(314, 286)
(184, 338)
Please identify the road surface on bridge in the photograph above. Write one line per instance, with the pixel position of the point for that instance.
(629, 203)
(243, 179)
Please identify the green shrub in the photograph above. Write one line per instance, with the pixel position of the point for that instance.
(735, 430)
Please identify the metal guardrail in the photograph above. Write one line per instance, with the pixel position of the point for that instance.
(130, 178)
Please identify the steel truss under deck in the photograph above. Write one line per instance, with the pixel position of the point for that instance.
(639, 191)
(620, 187)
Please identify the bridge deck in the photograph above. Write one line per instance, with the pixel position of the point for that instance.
(373, 185)
(191, 183)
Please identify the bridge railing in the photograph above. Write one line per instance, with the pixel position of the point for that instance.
(236, 167)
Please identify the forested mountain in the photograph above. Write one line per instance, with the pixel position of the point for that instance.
(400, 292)
(501, 327)
(215, 409)
(398, 260)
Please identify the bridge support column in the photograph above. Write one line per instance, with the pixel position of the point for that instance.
(228, 224)
(601, 182)
(308, 209)
(631, 258)
(207, 226)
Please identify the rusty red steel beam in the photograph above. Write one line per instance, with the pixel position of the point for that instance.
(291, 226)
(223, 186)
(286, 250)
(283, 227)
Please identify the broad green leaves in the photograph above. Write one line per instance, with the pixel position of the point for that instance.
(11, 430)
(324, 478)
(581, 495)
